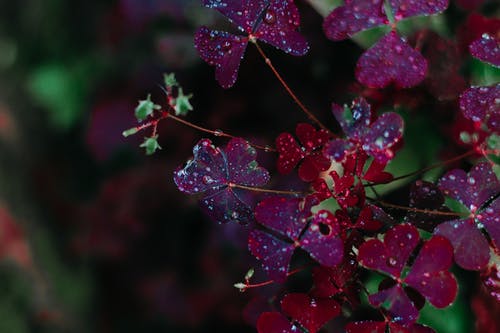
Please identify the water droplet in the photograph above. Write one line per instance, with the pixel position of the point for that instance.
(391, 262)
(270, 17)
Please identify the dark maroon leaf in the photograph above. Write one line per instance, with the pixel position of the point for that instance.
(355, 120)
(290, 153)
(274, 322)
(490, 218)
(322, 239)
(331, 281)
(214, 171)
(376, 173)
(377, 139)
(472, 189)
(391, 60)
(279, 28)
(287, 216)
(242, 13)
(487, 49)
(408, 8)
(355, 16)
(429, 273)
(479, 104)
(310, 313)
(222, 50)
(470, 247)
(426, 196)
(391, 255)
(397, 303)
(274, 253)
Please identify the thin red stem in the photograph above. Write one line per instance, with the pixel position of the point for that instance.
(266, 283)
(288, 89)
(265, 190)
(417, 210)
(423, 170)
(166, 114)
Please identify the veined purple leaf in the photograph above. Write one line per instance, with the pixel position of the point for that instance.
(487, 49)
(480, 104)
(429, 273)
(471, 249)
(355, 16)
(322, 239)
(222, 50)
(391, 60)
(377, 139)
(390, 256)
(279, 28)
(490, 218)
(287, 216)
(472, 189)
(408, 8)
(272, 21)
(242, 13)
(215, 172)
(384, 133)
(355, 120)
(274, 253)
(397, 303)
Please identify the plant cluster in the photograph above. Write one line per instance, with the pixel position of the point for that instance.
(337, 224)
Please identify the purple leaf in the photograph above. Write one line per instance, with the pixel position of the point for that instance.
(426, 195)
(217, 173)
(408, 8)
(429, 273)
(487, 49)
(490, 218)
(391, 255)
(287, 216)
(471, 249)
(279, 28)
(354, 121)
(275, 254)
(384, 133)
(322, 239)
(472, 189)
(355, 16)
(480, 104)
(377, 139)
(391, 60)
(242, 13)
(222, 50)
(397, 303)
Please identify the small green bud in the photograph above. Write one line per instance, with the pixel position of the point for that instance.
(465, 137)
(170, 80)
(130, 131)
(145, 108)
(241, 286)
(182, 104)
(151, 145)
(494, 142)
(249, 274)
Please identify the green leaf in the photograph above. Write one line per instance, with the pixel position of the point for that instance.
(170, 80)
(182, 104)
(145, 108)
(151, 145)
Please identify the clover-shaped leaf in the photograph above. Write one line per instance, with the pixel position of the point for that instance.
(391, 60)
(480, 104)
(274, 22)
(290, 219)
(428, 275)
(217, 173)
(309, 313)
(377, 139)
(486, 48)
(473, 190)
(290, 153)
(385, 327)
